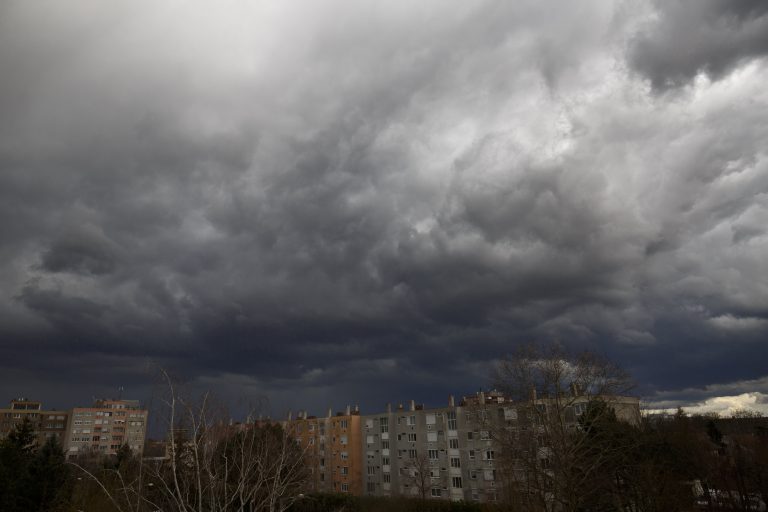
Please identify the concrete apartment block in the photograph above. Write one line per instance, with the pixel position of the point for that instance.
(439, 453)
(46, 424)
(332, 450)
(448, 452)
(105, 427)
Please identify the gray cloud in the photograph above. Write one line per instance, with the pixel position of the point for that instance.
(370, 202)
(690, 37)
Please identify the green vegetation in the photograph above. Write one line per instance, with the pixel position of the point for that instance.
(32, 479)
(679, 463)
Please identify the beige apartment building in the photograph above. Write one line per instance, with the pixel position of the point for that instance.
(332, 450)
(105, 427)
(46, 424)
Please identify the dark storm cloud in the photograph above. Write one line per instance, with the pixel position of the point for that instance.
(279, 208)
(692, 36)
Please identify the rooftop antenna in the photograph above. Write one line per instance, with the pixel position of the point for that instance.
(120, 392)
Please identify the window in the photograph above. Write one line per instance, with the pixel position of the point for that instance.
(344, 470)
(489, 455)
(344, 455)
(484, 434)
(453, 443)
(455, 462)
(471, 454)
(344, 423)
(371, 486)
(371, 470)
(384, 423)
(433, 454)
(456, 482)
(412, 438)
(369, 424)
(470, 435)
(385, 461)
(451, 420)
(385, 444)
(412, 454)
(386, 478)
(411, 420)
(343, 439)
(436, 492)
(344, 487)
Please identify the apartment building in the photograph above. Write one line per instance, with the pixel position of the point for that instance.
(105, 427)
(332, 450)
(450, 452)
(46, 423)
(439, 453)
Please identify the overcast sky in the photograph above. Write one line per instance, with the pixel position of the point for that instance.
(368, 202)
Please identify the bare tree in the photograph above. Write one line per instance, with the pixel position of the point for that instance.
(212, 463)
(548, 456)
(417, 473)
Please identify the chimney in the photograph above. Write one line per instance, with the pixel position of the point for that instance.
(290, 415)
(451, 401)
(399, 407)
(330, 412)
(347, 411)
(413, 405)
(533, 394)
(389, 408)
(482, 398)
(357, 408)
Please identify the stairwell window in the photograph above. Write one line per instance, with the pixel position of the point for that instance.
(451, 420)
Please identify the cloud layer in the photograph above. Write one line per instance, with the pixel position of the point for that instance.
(352, 202)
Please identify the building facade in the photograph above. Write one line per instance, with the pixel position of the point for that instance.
(451, 452)
(46, 424)
(439, 453)
(332, 451)
(105, 427)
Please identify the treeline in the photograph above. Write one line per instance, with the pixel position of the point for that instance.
(348, 503)
(678, 463)
(33, 478)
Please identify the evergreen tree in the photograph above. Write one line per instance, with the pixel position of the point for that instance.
(32, 479)
(49, 483)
